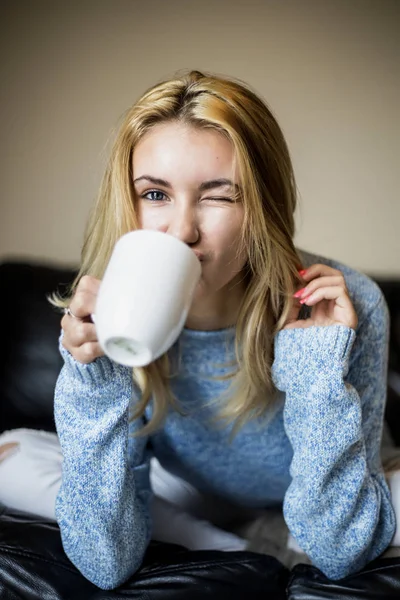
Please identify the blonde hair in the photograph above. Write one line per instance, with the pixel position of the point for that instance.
(269, 200)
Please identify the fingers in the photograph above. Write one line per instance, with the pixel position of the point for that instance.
(86, 353)
(77, 332)
(84, 301)
(326, 284)
(323, 281)
(331, 292)
(80, 337)
(319, 270)
(320, 276)
(342, 312)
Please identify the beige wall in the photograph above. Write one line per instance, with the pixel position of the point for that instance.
(329, 69)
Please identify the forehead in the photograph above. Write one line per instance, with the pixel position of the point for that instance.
(184, 149)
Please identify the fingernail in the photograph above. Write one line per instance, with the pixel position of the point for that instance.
(299, 293)
(304, 300)
(302, 272)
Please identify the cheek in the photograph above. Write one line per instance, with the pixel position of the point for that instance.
(149, 218)
(224, 233)
(225, 263)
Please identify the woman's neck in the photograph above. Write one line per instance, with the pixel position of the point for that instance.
(217, 311)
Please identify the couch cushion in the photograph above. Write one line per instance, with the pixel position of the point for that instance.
(29, 357)
(391, 291)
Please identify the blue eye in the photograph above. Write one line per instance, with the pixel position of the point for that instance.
(159, 196)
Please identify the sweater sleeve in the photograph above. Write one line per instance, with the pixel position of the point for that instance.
(338, 506)
(103, 504)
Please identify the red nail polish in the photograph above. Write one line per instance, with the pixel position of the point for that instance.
(299, 293)
(302, 272)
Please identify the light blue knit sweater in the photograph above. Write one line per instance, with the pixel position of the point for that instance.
(319, 454)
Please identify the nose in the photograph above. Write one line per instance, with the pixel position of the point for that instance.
(183, 225)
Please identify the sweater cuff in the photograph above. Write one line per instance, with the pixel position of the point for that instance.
(101, 370)
(300, 353)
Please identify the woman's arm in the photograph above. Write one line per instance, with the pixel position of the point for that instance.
(103, 504)
(337, 506)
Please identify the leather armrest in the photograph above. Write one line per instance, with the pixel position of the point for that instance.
(33, 565)
(379, 580)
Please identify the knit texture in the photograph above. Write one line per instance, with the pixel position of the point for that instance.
(318, 454)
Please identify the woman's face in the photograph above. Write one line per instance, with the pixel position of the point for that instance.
(186, 186)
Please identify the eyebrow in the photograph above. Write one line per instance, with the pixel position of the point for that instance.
(206, 185)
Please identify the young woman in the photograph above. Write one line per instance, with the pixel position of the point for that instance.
(273, 394)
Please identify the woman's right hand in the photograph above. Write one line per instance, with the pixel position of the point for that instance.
(80, 337)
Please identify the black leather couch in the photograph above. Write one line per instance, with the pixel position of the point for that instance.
(33, 564)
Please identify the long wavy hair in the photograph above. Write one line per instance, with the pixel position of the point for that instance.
(269, 198)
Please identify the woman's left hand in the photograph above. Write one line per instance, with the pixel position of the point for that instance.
(326, 293)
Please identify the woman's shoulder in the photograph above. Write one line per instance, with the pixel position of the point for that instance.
(365, 294)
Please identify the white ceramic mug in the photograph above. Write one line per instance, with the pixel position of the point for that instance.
(145, 296)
